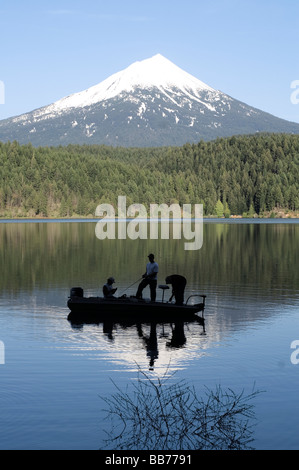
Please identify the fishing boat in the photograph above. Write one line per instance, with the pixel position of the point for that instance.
(98, 309)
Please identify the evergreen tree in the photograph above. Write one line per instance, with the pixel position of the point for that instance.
(226, 211)
(219, 209)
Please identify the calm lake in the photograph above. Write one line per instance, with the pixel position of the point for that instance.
(54, 374)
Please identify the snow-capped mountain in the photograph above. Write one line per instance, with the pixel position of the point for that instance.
(156, 72)
(150, 103)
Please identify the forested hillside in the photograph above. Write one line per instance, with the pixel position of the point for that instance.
(246, 174)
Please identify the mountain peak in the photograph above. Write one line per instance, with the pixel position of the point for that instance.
(160, 71)
(155, 72)
(152, 102)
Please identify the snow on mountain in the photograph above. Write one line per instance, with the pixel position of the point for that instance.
(156, 72)
(150, 103)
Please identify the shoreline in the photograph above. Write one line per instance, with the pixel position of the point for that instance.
(221, 220)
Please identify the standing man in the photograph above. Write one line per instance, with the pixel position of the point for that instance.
(149, 278)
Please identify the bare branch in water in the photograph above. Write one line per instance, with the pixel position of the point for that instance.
(165, 415)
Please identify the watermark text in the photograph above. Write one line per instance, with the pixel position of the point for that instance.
(133, 222)
(295, 93)
(2, 92)
(2, 353)
(295, 354)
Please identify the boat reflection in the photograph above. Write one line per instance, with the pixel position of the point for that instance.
(151, 335)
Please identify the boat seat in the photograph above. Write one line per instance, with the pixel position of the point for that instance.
(164, 288)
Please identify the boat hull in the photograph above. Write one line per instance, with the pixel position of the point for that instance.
(98, 309)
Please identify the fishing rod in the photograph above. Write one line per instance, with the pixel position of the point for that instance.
(131, 285)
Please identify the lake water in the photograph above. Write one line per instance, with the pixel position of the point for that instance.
(55, 373)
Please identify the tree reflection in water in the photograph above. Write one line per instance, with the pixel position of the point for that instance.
(163, 414)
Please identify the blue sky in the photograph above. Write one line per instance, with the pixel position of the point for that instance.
(248, 49)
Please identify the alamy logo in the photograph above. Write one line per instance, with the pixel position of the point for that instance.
(2, 353)
(2, 92)
(183, 224)
(295, 93)
(295, 354)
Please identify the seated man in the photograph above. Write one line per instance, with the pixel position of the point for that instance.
(108, 289)
(178, 287)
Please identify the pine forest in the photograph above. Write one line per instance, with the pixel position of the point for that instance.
(243, 175)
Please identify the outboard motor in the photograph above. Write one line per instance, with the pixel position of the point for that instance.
(178, 287)
(76, 292)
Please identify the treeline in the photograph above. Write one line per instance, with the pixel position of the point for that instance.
(236, 175)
